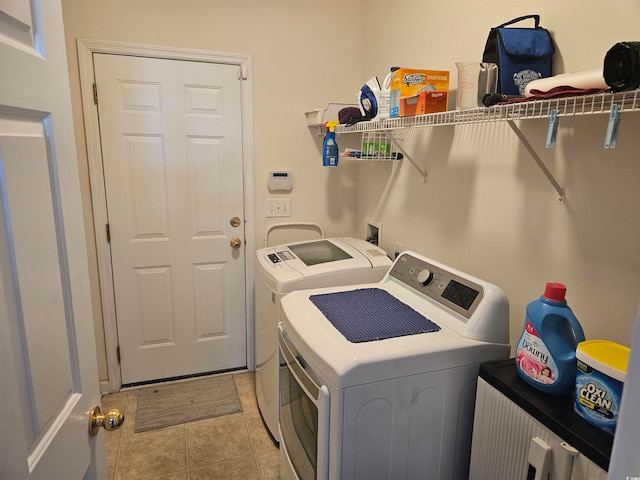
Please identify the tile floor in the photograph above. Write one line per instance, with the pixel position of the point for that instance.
(230, 447)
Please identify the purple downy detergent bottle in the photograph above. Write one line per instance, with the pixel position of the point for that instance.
(546, 351)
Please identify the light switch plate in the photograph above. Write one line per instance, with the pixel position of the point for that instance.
(278, 207)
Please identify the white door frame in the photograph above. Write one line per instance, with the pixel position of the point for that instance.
(86, 49)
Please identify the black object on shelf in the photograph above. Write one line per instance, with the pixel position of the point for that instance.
(554, 412)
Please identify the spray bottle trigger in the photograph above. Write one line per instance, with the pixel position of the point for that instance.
(331, 125)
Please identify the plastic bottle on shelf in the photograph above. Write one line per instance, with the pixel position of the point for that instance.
(330, 151)
(546, 351)
(385, 96)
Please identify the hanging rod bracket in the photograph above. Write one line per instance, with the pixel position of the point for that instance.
(611, 137)
(552, 131)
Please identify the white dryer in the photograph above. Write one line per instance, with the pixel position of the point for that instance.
(379, 379)
(286, 268)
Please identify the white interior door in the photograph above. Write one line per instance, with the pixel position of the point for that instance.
(48, 369)
(171, 138)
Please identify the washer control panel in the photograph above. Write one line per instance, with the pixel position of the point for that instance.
(448, 288)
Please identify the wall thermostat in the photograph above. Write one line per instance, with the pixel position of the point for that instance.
(280, 181)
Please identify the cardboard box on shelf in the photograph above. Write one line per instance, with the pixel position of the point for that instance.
(416, 92)
(427, 101)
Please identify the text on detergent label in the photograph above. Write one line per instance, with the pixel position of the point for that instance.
(595, 395)
(532, 348)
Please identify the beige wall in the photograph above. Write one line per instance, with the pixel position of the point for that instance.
(304, 54)
(486, 208)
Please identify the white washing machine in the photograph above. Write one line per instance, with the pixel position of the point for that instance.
(379, 379)
(285, 268)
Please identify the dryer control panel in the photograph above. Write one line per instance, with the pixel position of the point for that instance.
(443, 285)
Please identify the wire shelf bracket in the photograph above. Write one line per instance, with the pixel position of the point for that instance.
(420, 170)
(538, 160)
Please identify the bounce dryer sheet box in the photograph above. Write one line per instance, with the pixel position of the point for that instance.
(416, 92)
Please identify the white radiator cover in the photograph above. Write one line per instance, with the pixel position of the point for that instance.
(502, 432)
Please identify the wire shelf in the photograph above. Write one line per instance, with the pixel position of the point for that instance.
(568, 106)
(603, 103)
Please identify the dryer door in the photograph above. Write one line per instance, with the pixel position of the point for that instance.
(304, 418)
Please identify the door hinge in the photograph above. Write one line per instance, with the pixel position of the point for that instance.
(118, 353)
(95, 94)
(108, 233)
(242, 75)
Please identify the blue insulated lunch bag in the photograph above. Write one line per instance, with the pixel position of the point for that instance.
(522, 54)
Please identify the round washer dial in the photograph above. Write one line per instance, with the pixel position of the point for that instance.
(425, 277)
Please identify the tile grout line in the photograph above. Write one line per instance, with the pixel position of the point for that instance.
(253, 448)
(121, 435)
(115, 468)
(186, 449)
(251, 441)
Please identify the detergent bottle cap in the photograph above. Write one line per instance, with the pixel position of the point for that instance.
(332, 125)
(555, 291)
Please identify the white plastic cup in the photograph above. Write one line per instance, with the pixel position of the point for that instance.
(475, 79)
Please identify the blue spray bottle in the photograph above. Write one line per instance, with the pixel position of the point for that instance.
(330, 147)
(546, 351)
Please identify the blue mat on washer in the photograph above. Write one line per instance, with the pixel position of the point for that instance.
(369, 314)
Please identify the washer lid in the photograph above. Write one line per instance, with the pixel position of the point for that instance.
(472, 314)
(346, 364)
(298, 260)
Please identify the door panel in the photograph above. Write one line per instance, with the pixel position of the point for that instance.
(147, 173)
(172, 156)
(49, 376)
(41, 283)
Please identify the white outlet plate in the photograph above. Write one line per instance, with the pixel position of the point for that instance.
(277, 207)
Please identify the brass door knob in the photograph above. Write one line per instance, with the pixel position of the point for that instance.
(235, 242)
(112, 420)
